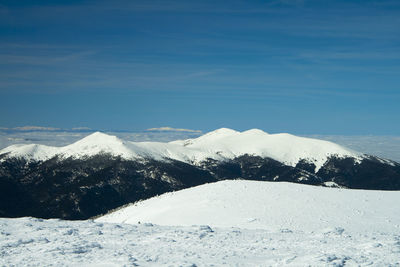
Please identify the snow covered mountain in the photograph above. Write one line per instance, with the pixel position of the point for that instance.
(221, 144)
(102, 172)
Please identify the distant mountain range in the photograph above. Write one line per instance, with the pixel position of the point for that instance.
(102, 172)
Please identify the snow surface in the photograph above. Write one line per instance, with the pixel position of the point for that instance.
(35, 242)
(298, 225)
(268, 205)
(220, 144)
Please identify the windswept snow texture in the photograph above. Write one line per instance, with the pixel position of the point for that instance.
(281, 224)
(220, 144)
(268, 205)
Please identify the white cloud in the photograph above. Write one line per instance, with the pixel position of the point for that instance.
(29, 128)
(35, 128)
(80, 128)
(170, 129)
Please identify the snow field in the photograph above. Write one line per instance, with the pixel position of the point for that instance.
(229, 223)
(35, 242)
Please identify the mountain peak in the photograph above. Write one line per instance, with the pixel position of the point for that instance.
(98, 142)
(99, 138)
(255, 132)
(218, 134)
(222, 132)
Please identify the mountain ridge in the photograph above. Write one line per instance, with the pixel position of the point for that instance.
(220, 144)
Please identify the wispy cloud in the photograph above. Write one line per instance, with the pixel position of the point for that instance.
(43, 129)
(45, 59)
(80, 128)
(35, 128)
(170, 129)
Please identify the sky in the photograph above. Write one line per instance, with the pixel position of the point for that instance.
(297, 66)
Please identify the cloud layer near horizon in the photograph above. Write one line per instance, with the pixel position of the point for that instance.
(29, 128)
(170, 129)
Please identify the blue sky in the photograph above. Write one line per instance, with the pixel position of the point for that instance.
(304, 67)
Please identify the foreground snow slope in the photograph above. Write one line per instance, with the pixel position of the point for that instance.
(33, 242)
(302, 226)
(268, 205)
(220, 144)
